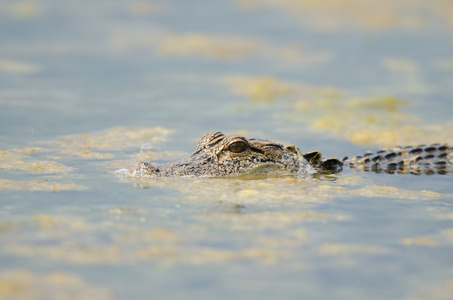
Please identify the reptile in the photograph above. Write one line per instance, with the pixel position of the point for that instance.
(226, 155)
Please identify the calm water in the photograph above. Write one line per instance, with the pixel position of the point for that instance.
(88, 88)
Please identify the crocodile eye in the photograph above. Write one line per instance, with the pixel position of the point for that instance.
(237, 147)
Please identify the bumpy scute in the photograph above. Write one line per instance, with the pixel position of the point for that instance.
(228, 155)
(416, 160)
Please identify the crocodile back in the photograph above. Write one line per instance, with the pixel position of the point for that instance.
(417, 160)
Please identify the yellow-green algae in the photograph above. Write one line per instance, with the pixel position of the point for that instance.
(393, 192)
(445, 216)
(16, 161)
(38, 186)
(210, 203)
(268, 219)
(132, 244)
(214, 47)
(24, 284)
(261, 89)
(419, 241)
(27, 9)
(369, 121)
(116, 139)
(34, 159)
(279, 192)
(206, 46)
(334, 249)
(74, 239)
(327, 15)
(441, 238)
(167, 155)
(85, 154)
(143, 8)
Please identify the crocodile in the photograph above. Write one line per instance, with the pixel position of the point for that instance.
(220, 155)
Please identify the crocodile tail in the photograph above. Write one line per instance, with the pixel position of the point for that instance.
(417, 160)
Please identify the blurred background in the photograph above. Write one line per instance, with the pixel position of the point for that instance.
(257, 65)
(89, 87)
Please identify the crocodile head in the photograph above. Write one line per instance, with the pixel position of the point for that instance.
(226, 155)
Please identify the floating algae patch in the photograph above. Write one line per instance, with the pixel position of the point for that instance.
(217, 47)
(53, 227)
(261, 89)
(345, 249)
(276, 192)
(36, 167)
(269, 219)
(188, 45)
(366, 121)
(356, 119)
(419, 241)
(88, 147)
(273, 192)
(38, 186)
(373, 121)
(386, 104)
(446, 216)
(89, 253)
(73, 239)
(222, 48)
(209, 255)
(269, 89)
(24, 284)
(15, 160)
(117, 139)
(76, 241)
(85, 154)
(396, 193)
(29, 151)
(150, 155)
(391, 135)
(442, 238)
(143, 8)
(28, 9)
(326, 15)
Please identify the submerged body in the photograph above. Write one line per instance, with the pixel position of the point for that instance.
(228, 155)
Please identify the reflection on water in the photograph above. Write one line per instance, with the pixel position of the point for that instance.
(88, 88)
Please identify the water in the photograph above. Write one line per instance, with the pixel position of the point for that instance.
(90, 88)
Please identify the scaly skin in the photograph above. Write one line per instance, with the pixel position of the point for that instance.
(228, 155)
(422, 159)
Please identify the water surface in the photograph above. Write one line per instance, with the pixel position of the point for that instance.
(89, 88)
